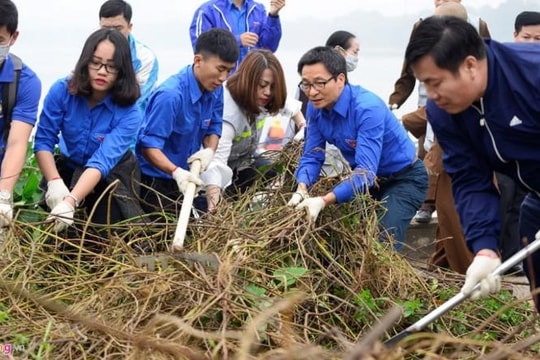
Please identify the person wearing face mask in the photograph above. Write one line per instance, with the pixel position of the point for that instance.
(23, 114)
(347, 44)
(255, 93)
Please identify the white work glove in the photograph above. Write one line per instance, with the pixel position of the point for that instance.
(205, 156)
(6, 214)
(56, 192)
(300, 134)
(481, 271)
(313, 205)
(298, 197)
(62, 215)
(184, 177)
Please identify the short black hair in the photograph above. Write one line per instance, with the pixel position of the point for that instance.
(9, 16)
(526, 18)
(218, 42)
(112, 8)
(447, 39)
(125, 90)
(340, 38)
(332, 60)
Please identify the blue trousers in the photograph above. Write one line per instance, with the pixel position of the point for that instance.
(402, 194)
(529, 224)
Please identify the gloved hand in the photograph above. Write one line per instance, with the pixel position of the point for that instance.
(6, 214)
(300, 134)
(393, 106)
(205, 156)
(184, 177)
(313, 205)
(62, 215)
(481, 271)
(299, 196)
(56, 192)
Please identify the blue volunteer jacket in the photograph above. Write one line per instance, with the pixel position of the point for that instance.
(500, 132)
(178, 117)
(366, 132)
(215, 14)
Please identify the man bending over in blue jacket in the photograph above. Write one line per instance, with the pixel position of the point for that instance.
(484, 109)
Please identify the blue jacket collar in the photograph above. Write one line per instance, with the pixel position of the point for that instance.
(194, 89)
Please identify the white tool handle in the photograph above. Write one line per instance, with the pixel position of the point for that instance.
(185, 211)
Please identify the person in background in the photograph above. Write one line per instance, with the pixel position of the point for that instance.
(369, 137)
(526, 29)
(255, 92)
(93, 118)
(483, 109)
(116, 14)
(184, 113)
(16, 123)
(415, 122)
(252, 26)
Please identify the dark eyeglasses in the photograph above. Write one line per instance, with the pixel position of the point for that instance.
(317, 85)
(97, 65)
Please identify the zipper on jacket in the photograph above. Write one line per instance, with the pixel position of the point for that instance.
(518, 170)
(484, 123)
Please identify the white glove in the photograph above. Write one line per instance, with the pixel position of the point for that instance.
(56, 192)
(6, 214)
(298, 197)
(184, 177)
(313, 205)
(205, 156)
(62, 215)
(300, 134)
(481, 271)
(393, 106)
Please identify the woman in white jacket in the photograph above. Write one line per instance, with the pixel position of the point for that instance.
(251, 96)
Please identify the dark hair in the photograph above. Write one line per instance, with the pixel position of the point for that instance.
(9, 16)
(340, 38)
(112, 8)
(125, 90)
(218, 42)
(243, 84)
(332, 60)
(526, 18)
(447, 39)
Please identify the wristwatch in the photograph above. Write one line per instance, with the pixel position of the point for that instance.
(5, 196)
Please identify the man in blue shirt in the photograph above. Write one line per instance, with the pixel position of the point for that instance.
(183, 113)
(370, 138)
(116, 14)
(15, 135)
(247, 19)
(484, 109)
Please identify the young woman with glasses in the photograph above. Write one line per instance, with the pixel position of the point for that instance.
(92, 117)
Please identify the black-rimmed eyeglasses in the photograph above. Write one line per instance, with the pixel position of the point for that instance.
(97, 65)
(317, 85)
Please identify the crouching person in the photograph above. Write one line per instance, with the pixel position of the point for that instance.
(92, 117)
(370, 138)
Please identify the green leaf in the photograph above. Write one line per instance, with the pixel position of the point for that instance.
(288, 276)
(255, 290)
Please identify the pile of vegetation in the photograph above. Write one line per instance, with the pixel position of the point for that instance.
(282, 288)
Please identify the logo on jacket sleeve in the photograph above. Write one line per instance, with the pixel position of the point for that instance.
(351, 143)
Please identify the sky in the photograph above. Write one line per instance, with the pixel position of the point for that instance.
(52, 32)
